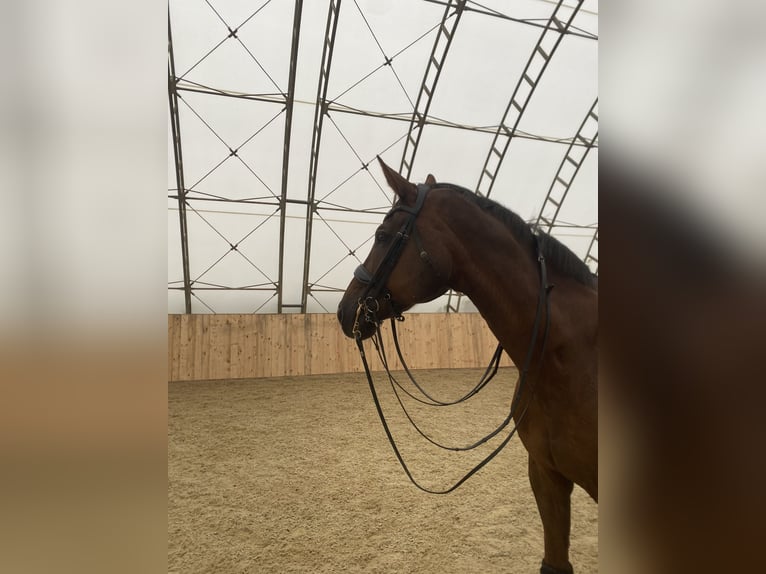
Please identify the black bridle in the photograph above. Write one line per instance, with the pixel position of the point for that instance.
(368, 306)
(369, 302)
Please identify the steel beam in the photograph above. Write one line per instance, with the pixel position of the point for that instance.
(320, 110)
(568, 169)
(454, 299)
(184, 85)
(434, 67)
(290, 100)
(431, 121)
(522, 94)
(177, 152)
(591, 257)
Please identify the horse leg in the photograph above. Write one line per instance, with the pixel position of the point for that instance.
(552, 493)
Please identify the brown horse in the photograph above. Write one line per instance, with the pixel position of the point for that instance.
(441, 236)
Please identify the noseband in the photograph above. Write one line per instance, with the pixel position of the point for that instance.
(369, 303)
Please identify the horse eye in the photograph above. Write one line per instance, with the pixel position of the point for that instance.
(381, 237)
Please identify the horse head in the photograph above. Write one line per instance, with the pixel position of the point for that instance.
(409, 261)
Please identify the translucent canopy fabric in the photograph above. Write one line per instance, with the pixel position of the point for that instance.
(279, 109)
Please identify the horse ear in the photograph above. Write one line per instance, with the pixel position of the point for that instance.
(430, 180)
(406, 191)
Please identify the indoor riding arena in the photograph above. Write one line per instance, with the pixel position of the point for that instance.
(279, 112)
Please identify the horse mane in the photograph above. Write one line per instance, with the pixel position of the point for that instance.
(557, 255)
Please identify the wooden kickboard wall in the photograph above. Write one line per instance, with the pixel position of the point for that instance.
(205, 347)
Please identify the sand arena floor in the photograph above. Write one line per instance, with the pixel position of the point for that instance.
(295, 474)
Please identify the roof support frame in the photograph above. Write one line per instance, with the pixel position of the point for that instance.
(522, 94)
(590, 258)
(320, 110)
(570, 165)
(290, 100)
(436, 61)
(175, 125)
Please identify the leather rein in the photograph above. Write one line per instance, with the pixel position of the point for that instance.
(368, 306)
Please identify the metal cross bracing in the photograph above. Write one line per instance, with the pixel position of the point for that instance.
(320, 201)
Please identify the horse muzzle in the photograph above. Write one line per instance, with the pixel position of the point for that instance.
(362, 317)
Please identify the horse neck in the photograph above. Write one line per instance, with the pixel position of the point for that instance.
(503, 281)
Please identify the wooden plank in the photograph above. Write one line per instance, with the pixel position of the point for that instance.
(236, 359)
(203, 344)
(174, 345)
(192, 357)
(185, 354)
(217, 364)
(265, 355)
(298, 344)
(249, 346)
